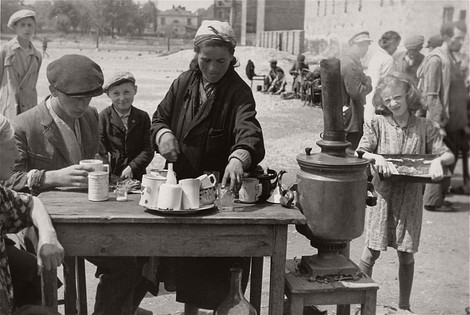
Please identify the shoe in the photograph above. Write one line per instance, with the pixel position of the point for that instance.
(446, 207)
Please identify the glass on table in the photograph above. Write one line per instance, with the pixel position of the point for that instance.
(121, 192)
(225, 198)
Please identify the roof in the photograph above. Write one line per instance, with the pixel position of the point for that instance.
(177, 11)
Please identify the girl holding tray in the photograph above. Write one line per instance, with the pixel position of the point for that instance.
(396, 219)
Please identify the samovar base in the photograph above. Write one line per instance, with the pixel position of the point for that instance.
(328, 265)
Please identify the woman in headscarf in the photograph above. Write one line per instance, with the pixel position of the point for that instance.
(380, 65)
(207, 122)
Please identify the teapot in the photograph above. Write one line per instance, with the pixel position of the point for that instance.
(268, 181)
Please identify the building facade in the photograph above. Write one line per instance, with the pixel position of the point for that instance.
(178, 22)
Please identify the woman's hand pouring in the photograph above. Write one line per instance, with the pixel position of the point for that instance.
(169, 147)
(234, 173)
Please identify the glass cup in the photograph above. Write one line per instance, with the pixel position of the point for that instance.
(121, 193)
(225, 199)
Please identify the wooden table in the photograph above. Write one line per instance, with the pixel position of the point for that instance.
(112, 228)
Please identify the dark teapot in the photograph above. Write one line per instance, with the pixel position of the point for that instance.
(268, 181)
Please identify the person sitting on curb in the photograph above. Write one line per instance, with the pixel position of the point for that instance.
(279, 84)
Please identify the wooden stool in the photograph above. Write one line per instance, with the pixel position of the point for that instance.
(300, 292)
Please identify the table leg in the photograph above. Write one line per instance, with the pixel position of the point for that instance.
(296, 305)
(81, 286)
(256, 282)
(369, 307)
(278, 264)
(70, 286)
(49, 288)
(344, 309)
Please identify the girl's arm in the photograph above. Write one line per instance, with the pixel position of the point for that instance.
(436, 170)
(381, 164)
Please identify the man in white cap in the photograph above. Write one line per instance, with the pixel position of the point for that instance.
(18, 80)
(356, 85)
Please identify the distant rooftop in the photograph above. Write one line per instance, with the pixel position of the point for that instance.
(177, 10)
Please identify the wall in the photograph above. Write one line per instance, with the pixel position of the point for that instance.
(290, 41)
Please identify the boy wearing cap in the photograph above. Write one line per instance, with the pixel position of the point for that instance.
(279, 83)
(356, 85)
(125, 129)
(268, 80)
(52, 138)
(19, 68)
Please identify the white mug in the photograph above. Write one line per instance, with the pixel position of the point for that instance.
(97, 165)
(190, 188)
(170, 197)
(207, 180)
(250, 190)
(150, 188)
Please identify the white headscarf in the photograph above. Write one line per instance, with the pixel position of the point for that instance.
(213, 29)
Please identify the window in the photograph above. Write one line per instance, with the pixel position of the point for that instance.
(448, 15)
(318, 7)
(189, 21)
(463, 15)
(162, 21)
(345, 6)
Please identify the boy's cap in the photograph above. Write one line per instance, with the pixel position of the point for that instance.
(273, 62)
(18, 15)
(435, 41)
(75, 76)
(359, 38)
(118, 77)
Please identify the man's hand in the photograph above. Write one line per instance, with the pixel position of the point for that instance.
(75, 175)
(234, 173)
(169, 147)
(127, 173)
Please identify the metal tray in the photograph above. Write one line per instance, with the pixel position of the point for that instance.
(412, 168)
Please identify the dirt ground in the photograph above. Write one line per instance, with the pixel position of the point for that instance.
(441, 283)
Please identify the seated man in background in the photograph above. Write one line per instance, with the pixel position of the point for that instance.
(268, 80)
(17, 211)
(298, 71)
(52, 138)
(279, 84)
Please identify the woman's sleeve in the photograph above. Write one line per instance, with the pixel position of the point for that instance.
(370, 136)
(15, 210)
(247, 132)
(163, 114)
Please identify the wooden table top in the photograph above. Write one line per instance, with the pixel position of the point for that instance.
(74, 207)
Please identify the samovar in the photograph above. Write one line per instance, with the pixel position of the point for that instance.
(332, 186)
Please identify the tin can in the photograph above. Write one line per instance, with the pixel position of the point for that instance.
(98, 186)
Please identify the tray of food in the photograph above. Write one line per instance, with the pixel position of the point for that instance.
(411, 168)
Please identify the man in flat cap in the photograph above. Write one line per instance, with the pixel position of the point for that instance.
(19, 66)
(442, 85)
(408, 61)
(356, 85)
(52, 138)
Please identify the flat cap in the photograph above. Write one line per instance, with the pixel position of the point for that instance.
(273, 61)
(18, 15)
(118, 77)
(75, 76)
(435, 41)
(414, 42)
(359, 38)
(215, 30)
